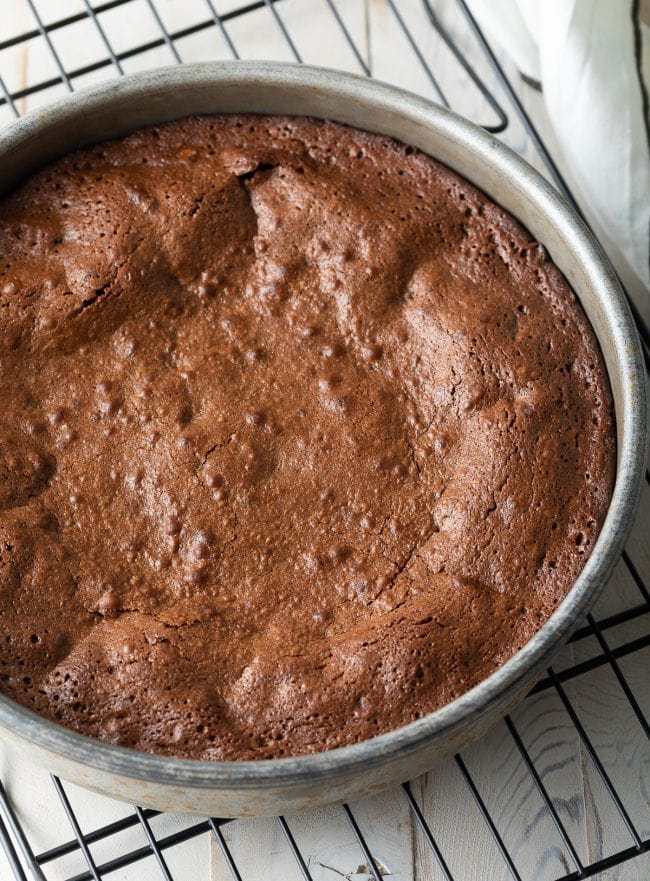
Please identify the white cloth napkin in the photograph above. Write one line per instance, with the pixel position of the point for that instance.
(592, 59)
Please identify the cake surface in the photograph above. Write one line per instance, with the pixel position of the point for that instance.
(302, 437)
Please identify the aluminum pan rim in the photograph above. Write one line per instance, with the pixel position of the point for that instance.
(203, 774)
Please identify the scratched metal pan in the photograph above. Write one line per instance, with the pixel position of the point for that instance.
(267, 787)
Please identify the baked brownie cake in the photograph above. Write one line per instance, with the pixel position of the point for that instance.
(301, 438)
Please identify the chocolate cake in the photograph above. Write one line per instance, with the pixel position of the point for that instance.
(302, 437)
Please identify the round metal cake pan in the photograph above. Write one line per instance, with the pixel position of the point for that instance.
(268, 787)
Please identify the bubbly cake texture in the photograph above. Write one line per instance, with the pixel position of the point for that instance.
(301, 438)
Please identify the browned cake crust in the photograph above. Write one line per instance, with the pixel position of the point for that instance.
(301, 438)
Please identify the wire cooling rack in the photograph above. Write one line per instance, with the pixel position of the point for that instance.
(616, 634)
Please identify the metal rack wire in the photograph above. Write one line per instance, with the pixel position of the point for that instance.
(479, 68)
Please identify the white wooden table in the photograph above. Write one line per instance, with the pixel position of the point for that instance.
(323, 836)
